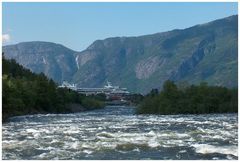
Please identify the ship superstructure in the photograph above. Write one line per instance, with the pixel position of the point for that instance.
(68, 85)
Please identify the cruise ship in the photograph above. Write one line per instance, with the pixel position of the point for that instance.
(108, 89)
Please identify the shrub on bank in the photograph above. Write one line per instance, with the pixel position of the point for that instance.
(190, 100)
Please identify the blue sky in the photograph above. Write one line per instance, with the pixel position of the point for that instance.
(77, 25)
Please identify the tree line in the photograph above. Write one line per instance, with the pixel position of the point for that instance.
(189, 99)
(24, 92)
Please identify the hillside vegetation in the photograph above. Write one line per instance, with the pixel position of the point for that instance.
(184, 99)
(27, 93)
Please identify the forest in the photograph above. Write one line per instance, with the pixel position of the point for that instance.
(189, 99)
(24, 92)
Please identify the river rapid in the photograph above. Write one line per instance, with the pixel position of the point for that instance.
(117, 133)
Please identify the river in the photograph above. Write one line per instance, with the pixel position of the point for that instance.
(117, 133)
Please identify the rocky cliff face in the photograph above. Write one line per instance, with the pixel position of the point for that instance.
(145, 68)
(54, 60)
(205, 47)
(206, 52)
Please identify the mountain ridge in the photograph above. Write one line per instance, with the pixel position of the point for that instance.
(141, 63)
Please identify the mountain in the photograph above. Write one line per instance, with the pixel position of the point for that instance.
(206, 52)
(54, 60)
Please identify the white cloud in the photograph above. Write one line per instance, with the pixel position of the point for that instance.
(6, 38)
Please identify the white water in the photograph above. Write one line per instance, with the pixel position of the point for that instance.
(116, 133)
